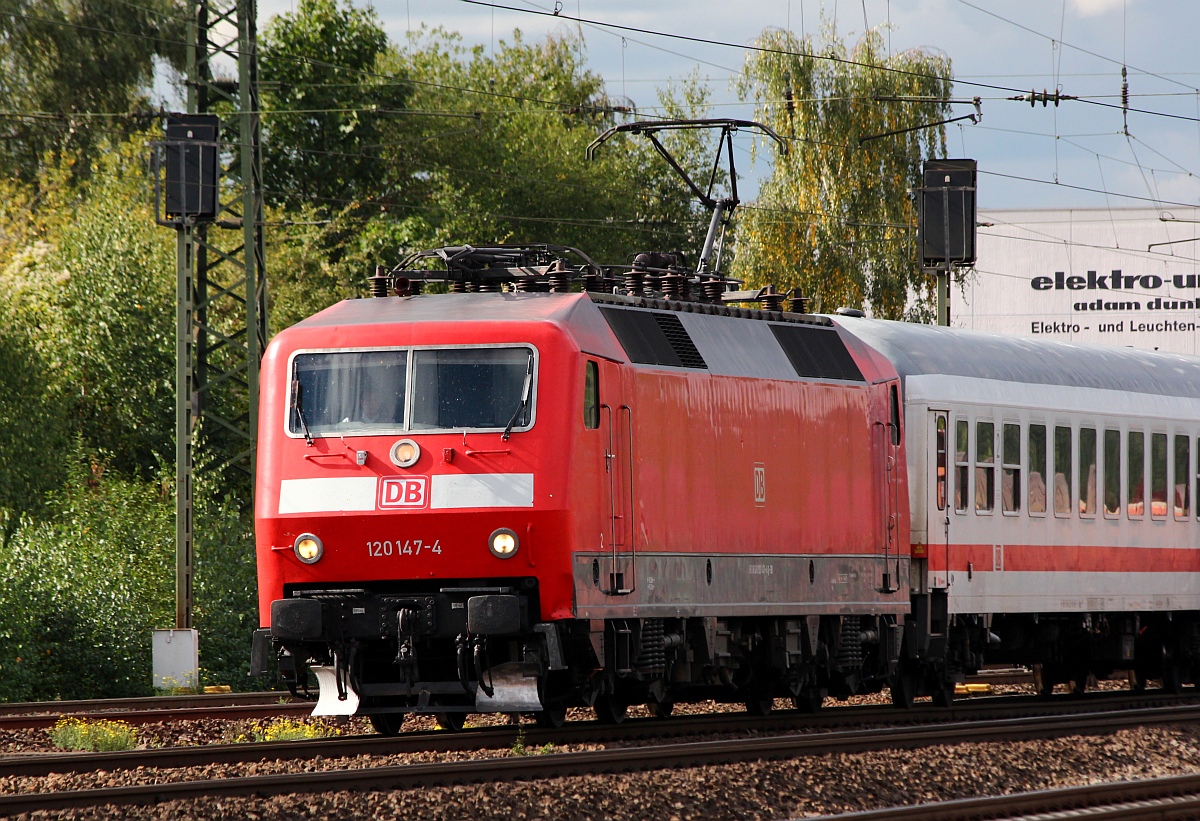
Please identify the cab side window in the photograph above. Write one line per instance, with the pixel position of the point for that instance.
(591, 395)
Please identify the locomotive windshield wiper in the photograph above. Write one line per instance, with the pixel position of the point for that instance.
(297, 393)
(524, 399)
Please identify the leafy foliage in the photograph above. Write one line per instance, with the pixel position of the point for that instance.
(512, 166)
(98, 736)
(74, 72)
(96, 296)
(290, 729)
(835, 218)
(33, 420)
(82, 590)
(326, 106)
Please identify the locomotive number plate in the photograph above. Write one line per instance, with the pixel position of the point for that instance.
(408, 547)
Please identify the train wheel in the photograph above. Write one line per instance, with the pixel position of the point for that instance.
(387, 723)
(610, 709)
(451, 721)
(551, 718)
(760, 706)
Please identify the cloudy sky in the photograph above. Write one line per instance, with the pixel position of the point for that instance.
(1078, 155)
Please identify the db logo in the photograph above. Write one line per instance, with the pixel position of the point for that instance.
(402, 491)
(760, 484)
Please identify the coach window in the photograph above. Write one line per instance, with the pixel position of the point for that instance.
(591, 395)
(961, 466)
(941, 461)
(1037, 470)
(1112, 473)
(985, 467)
(1062, 471)
(1198, 475)
(1158, 475)
(1010, 457)
(1135, 490)
(1183, 477)
(1087, 471)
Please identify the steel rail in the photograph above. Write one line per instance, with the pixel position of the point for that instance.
(35, 722)
(613, 760)
(497, 737)
(98, 705)
(1173, 797)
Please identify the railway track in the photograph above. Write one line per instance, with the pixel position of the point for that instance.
(634, 731)
(40, 714)
(1103, 716)
(35, 715)
(1166, 799)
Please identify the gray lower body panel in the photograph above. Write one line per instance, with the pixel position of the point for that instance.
(673, 585)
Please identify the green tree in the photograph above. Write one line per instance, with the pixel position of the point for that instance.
(498, 153)
(73, 74)
(492, 148)
(33, 418)
(95, 280)
(324, 105)
(836, 217)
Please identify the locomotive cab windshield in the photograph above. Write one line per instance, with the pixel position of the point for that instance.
(402, 390)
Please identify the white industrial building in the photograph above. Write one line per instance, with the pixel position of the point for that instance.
(1112, 276)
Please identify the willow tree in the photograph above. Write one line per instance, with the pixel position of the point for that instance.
(836, 218)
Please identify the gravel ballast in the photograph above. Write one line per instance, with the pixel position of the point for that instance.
(757, 790)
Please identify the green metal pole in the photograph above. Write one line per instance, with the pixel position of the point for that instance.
(184, 360)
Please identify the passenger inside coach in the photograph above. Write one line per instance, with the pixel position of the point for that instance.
(1037, 492)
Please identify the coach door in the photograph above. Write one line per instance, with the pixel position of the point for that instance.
(890, 453)
(616, 419)
(937, 508)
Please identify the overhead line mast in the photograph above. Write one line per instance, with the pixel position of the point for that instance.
(212, 194)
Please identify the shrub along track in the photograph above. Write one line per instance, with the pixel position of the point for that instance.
(978, 722)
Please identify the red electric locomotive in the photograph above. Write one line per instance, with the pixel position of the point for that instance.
(516, 497)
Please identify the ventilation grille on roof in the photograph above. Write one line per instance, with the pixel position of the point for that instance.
(817, 353)
(653, 338)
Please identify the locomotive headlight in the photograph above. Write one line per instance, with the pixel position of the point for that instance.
(309, 548)
(405, 453)
(503, 543)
